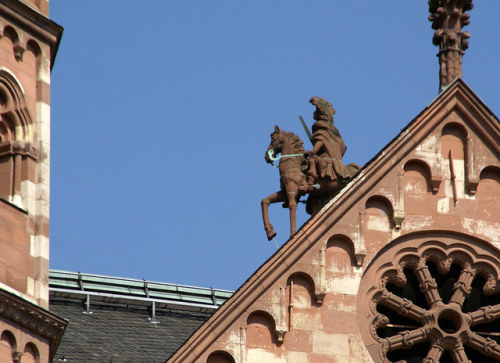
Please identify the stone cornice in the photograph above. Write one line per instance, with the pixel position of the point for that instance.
(33, 318)
(33, 22)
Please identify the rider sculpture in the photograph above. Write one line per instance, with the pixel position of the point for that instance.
(319, 172)
(325, 159)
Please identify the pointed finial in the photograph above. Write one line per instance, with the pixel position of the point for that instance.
(448, 18)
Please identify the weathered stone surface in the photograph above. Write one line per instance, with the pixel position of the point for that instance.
(319, 291)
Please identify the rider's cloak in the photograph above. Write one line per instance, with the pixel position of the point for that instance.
(330, 154)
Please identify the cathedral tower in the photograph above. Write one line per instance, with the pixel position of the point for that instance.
(28, 45)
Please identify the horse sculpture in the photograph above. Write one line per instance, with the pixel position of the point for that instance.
(295, 169)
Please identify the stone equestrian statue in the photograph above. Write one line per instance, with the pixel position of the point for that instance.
(319, 172)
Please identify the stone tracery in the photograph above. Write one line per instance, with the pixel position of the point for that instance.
(435, 302)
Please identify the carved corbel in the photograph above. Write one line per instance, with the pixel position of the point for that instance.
(280, 336)
(18, 52)
(399, 215)
(435, 182)
(360, 257)
(16, 356)
(435, 172)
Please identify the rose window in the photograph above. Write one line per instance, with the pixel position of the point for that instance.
(433, 301)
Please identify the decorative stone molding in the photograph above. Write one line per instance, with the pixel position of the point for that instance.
(18, 52)
(280, 335)
(33, 23)
(16, 356)
(32, 318)
(416, 291)
(448, 17)
(18, 148)
(360, 257)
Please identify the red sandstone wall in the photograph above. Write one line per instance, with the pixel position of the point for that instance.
(16, 262)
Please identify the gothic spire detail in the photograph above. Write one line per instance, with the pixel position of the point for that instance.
(448, 17)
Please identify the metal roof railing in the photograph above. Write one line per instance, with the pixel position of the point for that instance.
(113, 290)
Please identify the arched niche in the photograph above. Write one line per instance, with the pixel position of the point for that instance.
(339, 255)
(33, 47)
(423, 170)
(417, 188)
(31, 58)
(379, 214)
(11, 34)
(453, 137)
(30, 354)
(7, 346)
(260, 330)
(379, 222)
(488, 193)
(453, 153)
(220, 356)
(300, 291)
(10, 42)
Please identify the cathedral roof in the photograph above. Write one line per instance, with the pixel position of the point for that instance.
(113, 319)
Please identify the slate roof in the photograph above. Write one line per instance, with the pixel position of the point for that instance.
(120, 320)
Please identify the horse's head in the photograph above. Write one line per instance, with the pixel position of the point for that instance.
(276, 143)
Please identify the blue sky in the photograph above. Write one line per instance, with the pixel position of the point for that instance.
(162, 110)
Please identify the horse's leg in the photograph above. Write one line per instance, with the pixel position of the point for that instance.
(292, 205)
(273, 198)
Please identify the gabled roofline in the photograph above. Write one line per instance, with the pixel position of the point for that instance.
(457, 94)
(458, 82)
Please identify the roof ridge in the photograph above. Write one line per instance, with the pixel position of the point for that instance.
(54, 272)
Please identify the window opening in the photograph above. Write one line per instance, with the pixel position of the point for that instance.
(445, 314)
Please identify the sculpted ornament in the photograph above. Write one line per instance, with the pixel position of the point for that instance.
(448, 17)
(319, 173)
(435, 314)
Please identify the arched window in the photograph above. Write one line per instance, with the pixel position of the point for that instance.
(17, 154)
